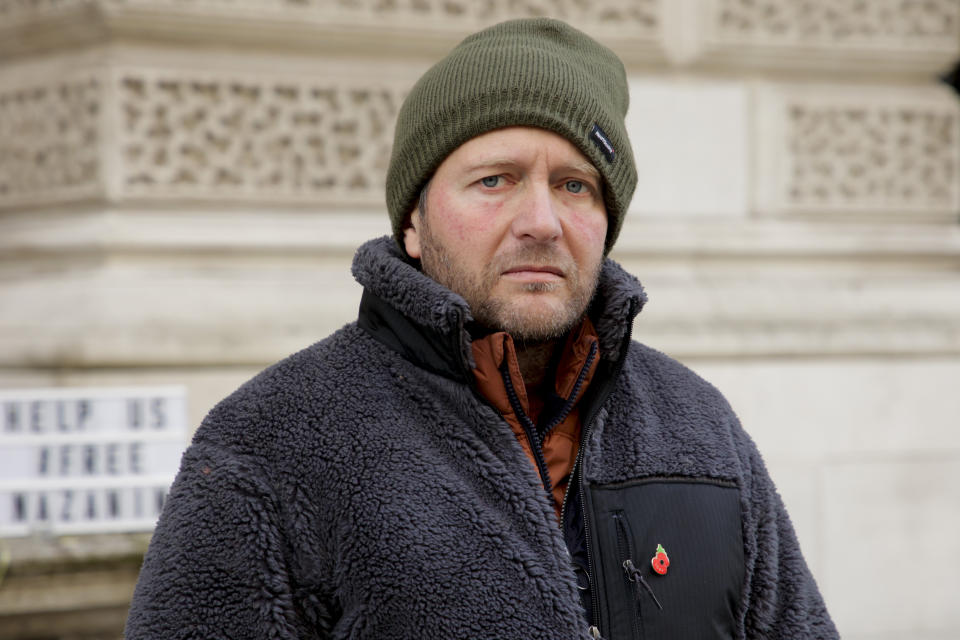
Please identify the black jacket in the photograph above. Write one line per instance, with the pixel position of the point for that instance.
(362, 489)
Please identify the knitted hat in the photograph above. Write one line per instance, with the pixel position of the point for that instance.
(534, 72)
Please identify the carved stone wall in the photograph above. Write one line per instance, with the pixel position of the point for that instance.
(142, 133)
(233, 137)
(868, 151)
(19, 11)
(637, 18)
(51, 138)
(858, 38)
(839, 23)
(637, 15)
(903, 157)
(69, 588)
(873, 37)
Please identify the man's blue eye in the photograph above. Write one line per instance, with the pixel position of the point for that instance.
(574, 186)
(490, 181)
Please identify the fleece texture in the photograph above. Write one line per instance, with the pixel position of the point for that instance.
(347, 492)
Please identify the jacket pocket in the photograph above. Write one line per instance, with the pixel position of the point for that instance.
(668, 558)
(633, 577)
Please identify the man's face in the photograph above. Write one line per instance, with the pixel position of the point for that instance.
(515, 223)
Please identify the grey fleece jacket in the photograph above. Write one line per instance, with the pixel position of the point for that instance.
(359, 489)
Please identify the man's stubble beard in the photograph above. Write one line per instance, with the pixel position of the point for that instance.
(499, 314)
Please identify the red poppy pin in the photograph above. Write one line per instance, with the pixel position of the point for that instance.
(660, 561)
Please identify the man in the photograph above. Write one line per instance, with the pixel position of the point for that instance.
(485, 453)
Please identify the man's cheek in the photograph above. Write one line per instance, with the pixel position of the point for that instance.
(477, 223)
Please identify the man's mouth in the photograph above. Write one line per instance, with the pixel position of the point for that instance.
(545, 273)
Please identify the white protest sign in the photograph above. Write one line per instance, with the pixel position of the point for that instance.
(76, 460)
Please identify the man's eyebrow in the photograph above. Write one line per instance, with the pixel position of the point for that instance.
(496, 163)
(588, 168)
(491, 163)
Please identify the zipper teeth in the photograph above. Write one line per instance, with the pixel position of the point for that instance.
(578, 468)
(571, 399)
(528, 428)
(623, 542)
(590, 571)
(588, 425)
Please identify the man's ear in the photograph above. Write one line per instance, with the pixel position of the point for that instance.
(411, 235)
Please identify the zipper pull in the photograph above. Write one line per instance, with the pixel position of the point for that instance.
(595, 633)
(634, 575)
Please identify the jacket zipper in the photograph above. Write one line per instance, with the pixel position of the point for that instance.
(624, 547)
(577, 475)
(636, 577)
(533, 436)
(528, 428)
(633, 574)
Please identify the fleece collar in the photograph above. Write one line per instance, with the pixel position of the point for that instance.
(429, 324)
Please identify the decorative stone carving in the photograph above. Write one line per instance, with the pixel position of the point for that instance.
(25, 10)
(870, 152)
(50, 137)
(229, 138)
(880, 38)
(892, 23)
(635, 16)
(869, 157)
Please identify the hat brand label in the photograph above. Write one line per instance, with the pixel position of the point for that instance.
(603, 142)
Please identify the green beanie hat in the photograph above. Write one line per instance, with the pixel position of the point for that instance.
(534, 72)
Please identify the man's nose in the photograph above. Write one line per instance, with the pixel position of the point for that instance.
(537, 216)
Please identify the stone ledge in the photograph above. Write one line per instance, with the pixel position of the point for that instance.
(127, 288)
(43, 555)
(71, 587)
(289, 232)
(839, 37)
(424, 28)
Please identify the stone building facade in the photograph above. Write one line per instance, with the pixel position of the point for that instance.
(183, 183)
